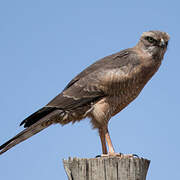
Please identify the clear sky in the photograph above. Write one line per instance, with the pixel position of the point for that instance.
(44, 44)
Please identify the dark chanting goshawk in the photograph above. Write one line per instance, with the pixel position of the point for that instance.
(100, 91)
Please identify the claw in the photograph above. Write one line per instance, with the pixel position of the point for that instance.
(135, 155)
(117, 155)
(98, 156)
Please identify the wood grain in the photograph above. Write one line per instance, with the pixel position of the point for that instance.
(106, 168)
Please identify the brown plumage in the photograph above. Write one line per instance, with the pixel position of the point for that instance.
(100, 91)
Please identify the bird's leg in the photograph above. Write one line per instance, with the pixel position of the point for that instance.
(105, 137)
(111, 151)
(109, 142)
(103, 141)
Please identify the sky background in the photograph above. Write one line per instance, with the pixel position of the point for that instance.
(44, 44)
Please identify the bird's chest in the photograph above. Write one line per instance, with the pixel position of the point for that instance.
(126, 90)
(123, 96)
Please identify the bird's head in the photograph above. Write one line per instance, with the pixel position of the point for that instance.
(154, 43)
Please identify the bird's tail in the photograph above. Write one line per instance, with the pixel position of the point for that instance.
(28, 132)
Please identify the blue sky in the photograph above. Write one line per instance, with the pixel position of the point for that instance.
(44, 44)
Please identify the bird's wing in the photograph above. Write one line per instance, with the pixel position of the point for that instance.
(76, 96)
(83, 90)
(87, 86)
(102, 63)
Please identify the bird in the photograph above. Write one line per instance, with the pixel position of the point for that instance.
(100, 91)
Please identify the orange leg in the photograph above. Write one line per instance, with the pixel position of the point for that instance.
(109, 143)
(105, 137)
(103, 141)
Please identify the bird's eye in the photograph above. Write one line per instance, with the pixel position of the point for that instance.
(150, 39)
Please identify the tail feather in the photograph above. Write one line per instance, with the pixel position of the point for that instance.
(28, 132)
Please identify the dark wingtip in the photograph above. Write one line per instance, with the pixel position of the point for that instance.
(22, 123)
(33, 118)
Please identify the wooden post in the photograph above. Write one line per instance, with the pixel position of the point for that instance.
(106, 168)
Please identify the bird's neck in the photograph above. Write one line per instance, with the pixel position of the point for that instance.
(149, 62)
(156, 53)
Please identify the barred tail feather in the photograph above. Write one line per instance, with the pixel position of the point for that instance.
(28, 132)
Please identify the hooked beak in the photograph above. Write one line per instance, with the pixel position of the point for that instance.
(162, 43)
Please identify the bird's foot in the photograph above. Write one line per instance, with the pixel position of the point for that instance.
(118, 155)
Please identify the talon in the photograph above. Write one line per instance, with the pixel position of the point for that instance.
(135, 155)
(117, 155)
(98, 156)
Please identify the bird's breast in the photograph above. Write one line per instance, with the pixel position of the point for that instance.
(124, 89)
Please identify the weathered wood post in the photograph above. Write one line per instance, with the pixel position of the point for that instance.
(106, 168)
